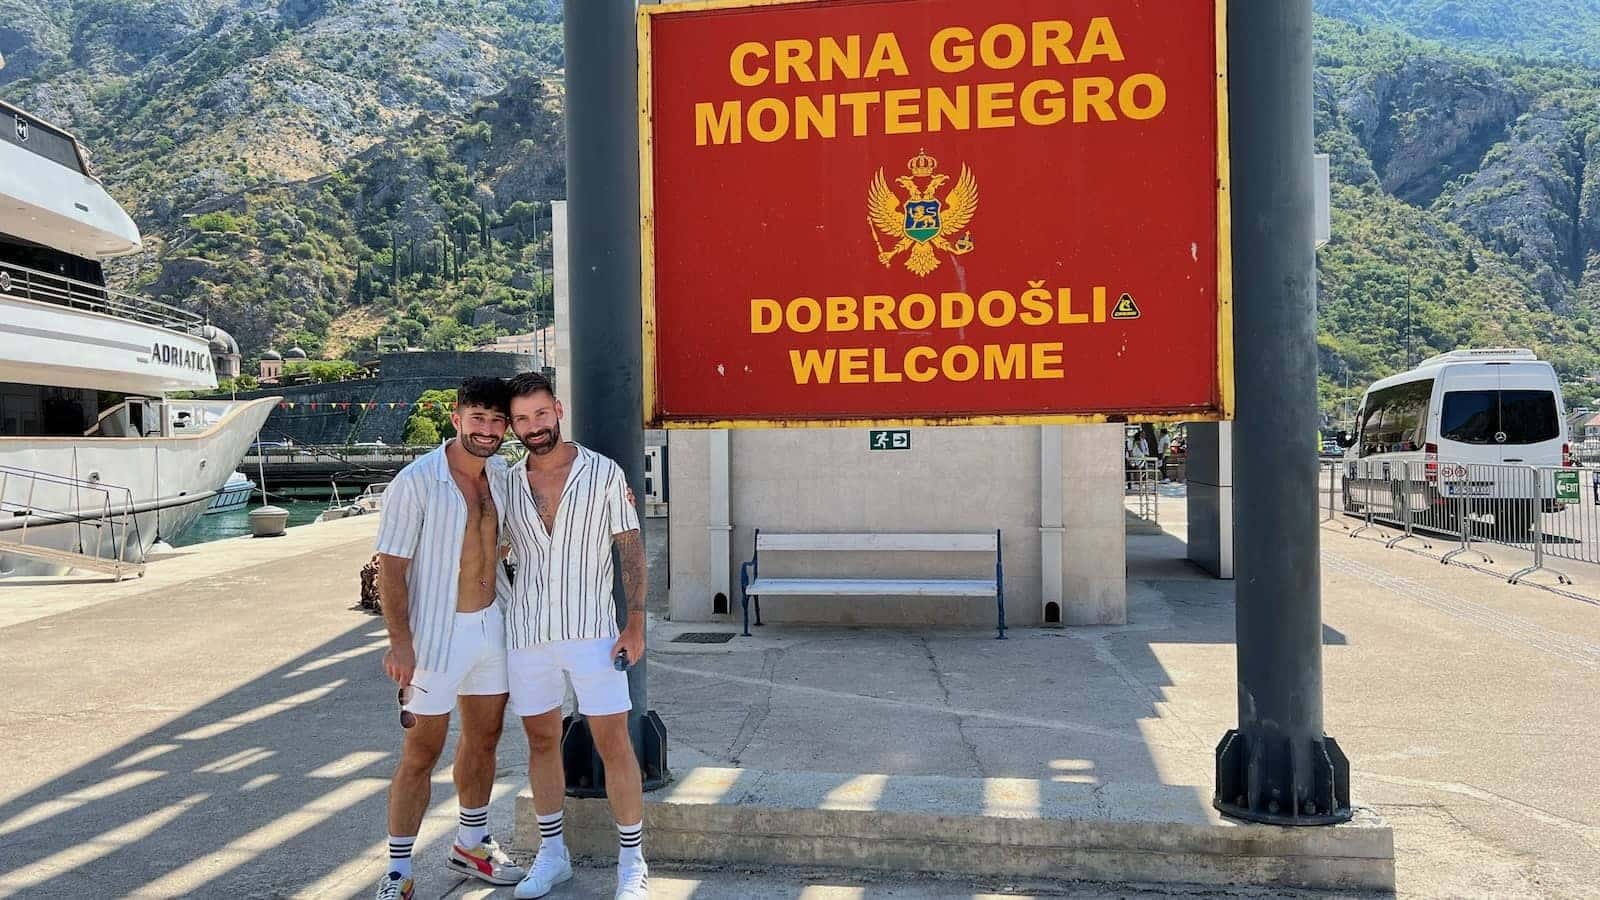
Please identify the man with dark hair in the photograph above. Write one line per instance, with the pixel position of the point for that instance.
(439, 576)
(566, 507)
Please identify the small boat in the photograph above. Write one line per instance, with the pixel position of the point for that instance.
(234, 494)
(370, 501)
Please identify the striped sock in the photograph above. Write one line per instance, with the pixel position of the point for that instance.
(400, 854)
(630, 841)
(474, 827)
(550, 833)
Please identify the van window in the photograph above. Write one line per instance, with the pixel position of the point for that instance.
(1475, 417)
(1470, 417)
(1396, 418)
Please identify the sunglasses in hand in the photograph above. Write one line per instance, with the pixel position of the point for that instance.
(407, 717)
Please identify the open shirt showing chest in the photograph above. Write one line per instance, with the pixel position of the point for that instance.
(424, 519)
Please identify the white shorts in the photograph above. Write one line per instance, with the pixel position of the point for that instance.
(477, 664)
(537, 688)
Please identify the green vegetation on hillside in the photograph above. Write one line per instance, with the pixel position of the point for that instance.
(418, 242)
(342, 175)
(185, 101)
(1495, 245)
(1461, 294)
(1551, 29)
(355, 175)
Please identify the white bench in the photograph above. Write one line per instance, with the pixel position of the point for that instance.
(752, 586)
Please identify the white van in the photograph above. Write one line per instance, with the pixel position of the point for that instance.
(1464, 424)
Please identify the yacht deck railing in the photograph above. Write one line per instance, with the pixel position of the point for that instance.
(32, 284)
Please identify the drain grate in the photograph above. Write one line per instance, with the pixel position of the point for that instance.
(703, 637)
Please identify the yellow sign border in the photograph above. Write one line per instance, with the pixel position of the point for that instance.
(1224, 410)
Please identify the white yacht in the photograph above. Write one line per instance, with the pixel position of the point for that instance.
(96, 464)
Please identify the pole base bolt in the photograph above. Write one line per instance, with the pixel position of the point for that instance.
(1266, 777)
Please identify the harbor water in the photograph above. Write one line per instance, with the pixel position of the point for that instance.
(303, 507)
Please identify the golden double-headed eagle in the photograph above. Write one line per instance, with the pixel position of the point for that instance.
(924, 222)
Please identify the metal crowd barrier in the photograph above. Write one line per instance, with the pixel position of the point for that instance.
(1552, 512)
(1142, 477)
(1329, 486)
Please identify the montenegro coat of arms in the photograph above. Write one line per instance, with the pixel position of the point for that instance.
(924, 222)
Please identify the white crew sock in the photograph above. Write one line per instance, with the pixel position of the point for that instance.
(630, 844)
(474, 827)
(550, 833)
(400, 854)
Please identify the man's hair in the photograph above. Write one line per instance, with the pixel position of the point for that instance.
(529, 383)
(489, 393)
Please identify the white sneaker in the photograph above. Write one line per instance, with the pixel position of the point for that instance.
(633, 883)
(549, 869)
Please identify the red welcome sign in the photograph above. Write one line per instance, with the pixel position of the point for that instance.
(934, 211)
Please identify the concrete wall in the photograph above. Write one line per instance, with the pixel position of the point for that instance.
(1094, 565)
(1055, 494)
(1210, 482)
(404, 377)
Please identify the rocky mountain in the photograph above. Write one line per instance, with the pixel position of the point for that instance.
(340, 173)
(439, 237)
(1464, 192)
(185, 100)
(329, 173)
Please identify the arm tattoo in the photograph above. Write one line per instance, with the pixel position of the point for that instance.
(630, 547)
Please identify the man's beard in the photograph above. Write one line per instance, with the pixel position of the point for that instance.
(471, 444)
(539, 447)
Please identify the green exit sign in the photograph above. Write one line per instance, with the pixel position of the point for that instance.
(1567, 489)
(886, 439)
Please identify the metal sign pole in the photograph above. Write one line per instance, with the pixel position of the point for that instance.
(1278, 766)
(603, 259)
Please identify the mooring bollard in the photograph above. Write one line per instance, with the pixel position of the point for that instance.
(268, 521)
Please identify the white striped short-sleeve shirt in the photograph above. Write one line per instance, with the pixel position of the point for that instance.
(424, 519)
(564, 579)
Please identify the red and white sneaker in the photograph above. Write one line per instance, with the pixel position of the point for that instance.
(486, 862)
(393, 887)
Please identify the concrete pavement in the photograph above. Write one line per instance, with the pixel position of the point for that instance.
(221, 727)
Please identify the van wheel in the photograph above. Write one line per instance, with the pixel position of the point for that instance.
(1397, 505)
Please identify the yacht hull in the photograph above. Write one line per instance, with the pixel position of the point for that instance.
(58, 345)
(166, 483)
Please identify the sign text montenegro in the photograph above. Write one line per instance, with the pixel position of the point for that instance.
(929, 211)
